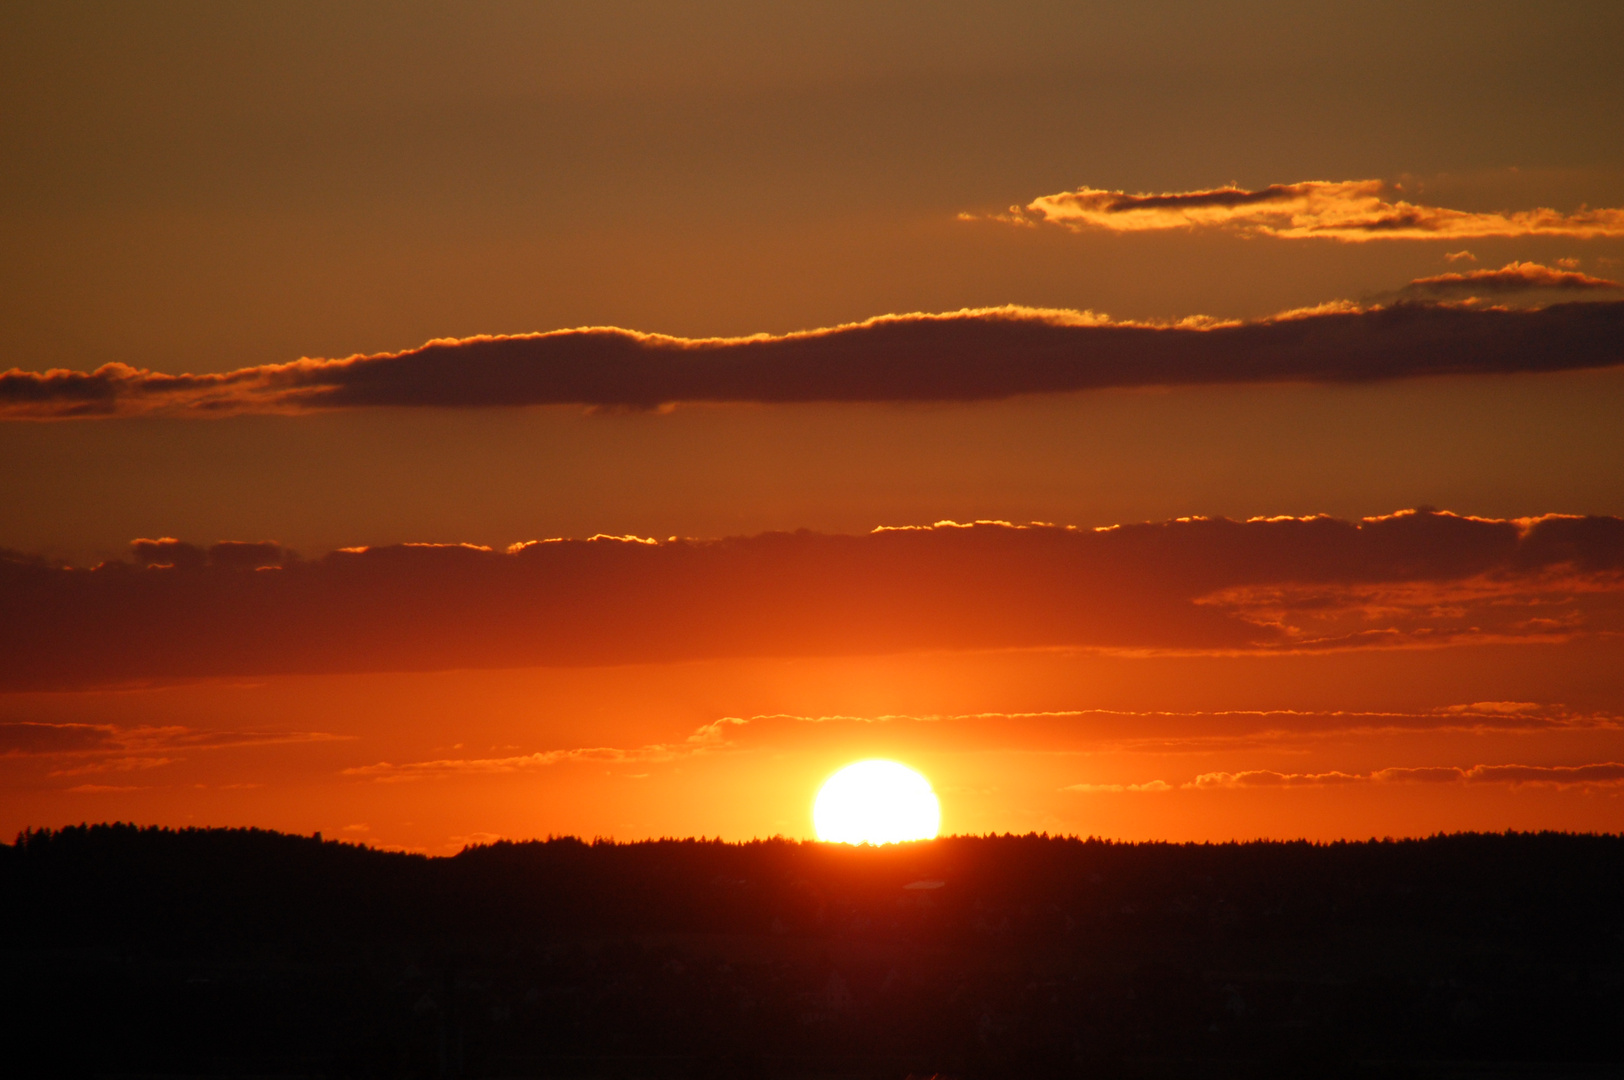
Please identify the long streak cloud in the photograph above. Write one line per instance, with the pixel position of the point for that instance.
(971, 355)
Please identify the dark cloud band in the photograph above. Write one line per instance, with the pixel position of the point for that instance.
(964, 356)
(1198, 585)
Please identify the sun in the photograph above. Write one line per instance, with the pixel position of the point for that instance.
(876, 802)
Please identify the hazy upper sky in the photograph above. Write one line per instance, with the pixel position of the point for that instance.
(201, 186)
(206, 188)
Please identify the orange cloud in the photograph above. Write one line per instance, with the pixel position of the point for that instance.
(1199, 584)
(1347, 210)
(971, 355)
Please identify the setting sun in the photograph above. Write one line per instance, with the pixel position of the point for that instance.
(876, 802)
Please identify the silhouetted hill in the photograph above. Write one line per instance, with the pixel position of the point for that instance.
(222, 951)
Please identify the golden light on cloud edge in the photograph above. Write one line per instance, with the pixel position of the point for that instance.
(876, 802)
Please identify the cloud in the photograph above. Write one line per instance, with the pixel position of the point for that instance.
(1497, 708)
(1153, 785)
(709, 738)
(20, 738)
(246, 555)
(123, 764)
(60, 750)
(1189, 585)
(970, 355)
(1197, 584)
(228, 554)
(134, 747)
(1267, 778)
(1347, 210)
(1511, 279)
(1092, 730)
(1489, 607)
(1561, 776)
(1048, 733)
(389, 772)
(1610, 772)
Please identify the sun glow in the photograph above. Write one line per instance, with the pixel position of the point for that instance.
(876, 802)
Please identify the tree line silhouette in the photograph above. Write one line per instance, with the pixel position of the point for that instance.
(224, 951)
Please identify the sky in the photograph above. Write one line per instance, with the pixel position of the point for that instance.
(427, 423)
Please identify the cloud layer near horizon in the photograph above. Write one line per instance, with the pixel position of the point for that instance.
(1050, 733)
(1347, 210)
(971, 355)
(1415, 578)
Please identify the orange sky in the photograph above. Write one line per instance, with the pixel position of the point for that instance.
(190, 189)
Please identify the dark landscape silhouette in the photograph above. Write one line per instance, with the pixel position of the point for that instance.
(146, 951)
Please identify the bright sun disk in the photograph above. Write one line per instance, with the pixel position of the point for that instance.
(876, 802)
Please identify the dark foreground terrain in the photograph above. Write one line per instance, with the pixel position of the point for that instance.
(241, 952)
